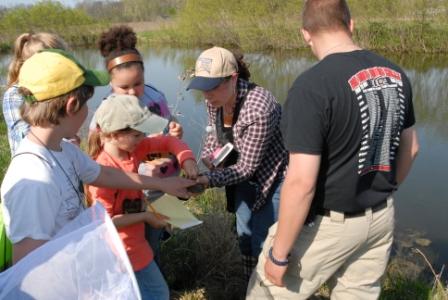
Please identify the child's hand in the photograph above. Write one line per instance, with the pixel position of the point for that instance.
(190, 168)
(175, 129)
(176, 186)
(156, 220)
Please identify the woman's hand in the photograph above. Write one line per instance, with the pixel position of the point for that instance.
(175, 129)
(203, 180)
(190, 168)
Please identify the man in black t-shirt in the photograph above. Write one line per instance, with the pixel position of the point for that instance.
(348, 125)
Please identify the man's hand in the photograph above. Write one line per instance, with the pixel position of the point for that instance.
(274, 273)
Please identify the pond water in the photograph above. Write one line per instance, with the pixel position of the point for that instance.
(421, 201)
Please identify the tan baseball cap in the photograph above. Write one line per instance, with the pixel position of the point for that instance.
(212, 67)
(118, 112)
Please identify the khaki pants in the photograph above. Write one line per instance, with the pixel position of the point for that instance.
(350, 253)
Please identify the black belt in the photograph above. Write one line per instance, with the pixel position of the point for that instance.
(326, 212)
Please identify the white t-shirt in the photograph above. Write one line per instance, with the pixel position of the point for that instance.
(37, 198)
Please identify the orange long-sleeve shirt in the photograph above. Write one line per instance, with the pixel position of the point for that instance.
(133, 236)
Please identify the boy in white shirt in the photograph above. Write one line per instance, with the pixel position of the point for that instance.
(42, 188)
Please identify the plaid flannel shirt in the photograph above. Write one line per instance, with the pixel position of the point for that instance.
(17, 128)
(257, 138)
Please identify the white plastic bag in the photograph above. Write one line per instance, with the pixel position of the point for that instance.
(85, 260)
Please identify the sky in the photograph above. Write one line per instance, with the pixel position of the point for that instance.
(9, 3)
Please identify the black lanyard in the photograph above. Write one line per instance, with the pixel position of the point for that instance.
(225, 134)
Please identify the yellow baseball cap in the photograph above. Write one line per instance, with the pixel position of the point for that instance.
(54, 72)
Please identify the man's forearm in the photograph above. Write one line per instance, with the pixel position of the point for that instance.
(407, 152)
(296, 197)
(294, 207)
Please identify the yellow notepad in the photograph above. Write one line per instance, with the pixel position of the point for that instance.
(179, 216)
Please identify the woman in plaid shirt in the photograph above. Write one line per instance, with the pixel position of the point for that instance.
(248, 117)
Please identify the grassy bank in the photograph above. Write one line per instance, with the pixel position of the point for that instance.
(402, 25)
(419, 26)
(74, 25)
(4, 146)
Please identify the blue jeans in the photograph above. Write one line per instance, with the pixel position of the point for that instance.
(153, 236)
(151, 283)
(252, 227)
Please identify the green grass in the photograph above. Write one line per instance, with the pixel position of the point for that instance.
(204, 262)
(5, 154)
(401, 25)
(73, 25)
(419, 26)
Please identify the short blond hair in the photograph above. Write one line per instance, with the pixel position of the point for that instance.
(28, 44)
(43, 113)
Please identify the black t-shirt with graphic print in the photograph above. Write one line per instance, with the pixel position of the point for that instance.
(350, 108)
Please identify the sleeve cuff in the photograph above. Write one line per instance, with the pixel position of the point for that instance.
(184, 155)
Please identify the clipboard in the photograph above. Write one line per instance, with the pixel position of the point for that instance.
(179, 216)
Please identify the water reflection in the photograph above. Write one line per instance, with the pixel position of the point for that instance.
(421, 201)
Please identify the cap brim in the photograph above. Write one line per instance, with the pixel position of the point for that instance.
(204, 83)
(96, 78)
(152, 124)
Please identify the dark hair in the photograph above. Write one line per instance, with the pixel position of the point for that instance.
(243, 67)
(42, 113)
(118, 41)
(326, 15)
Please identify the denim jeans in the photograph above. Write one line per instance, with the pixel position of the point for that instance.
(252, 227)
(153, 236)
(151, 283)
